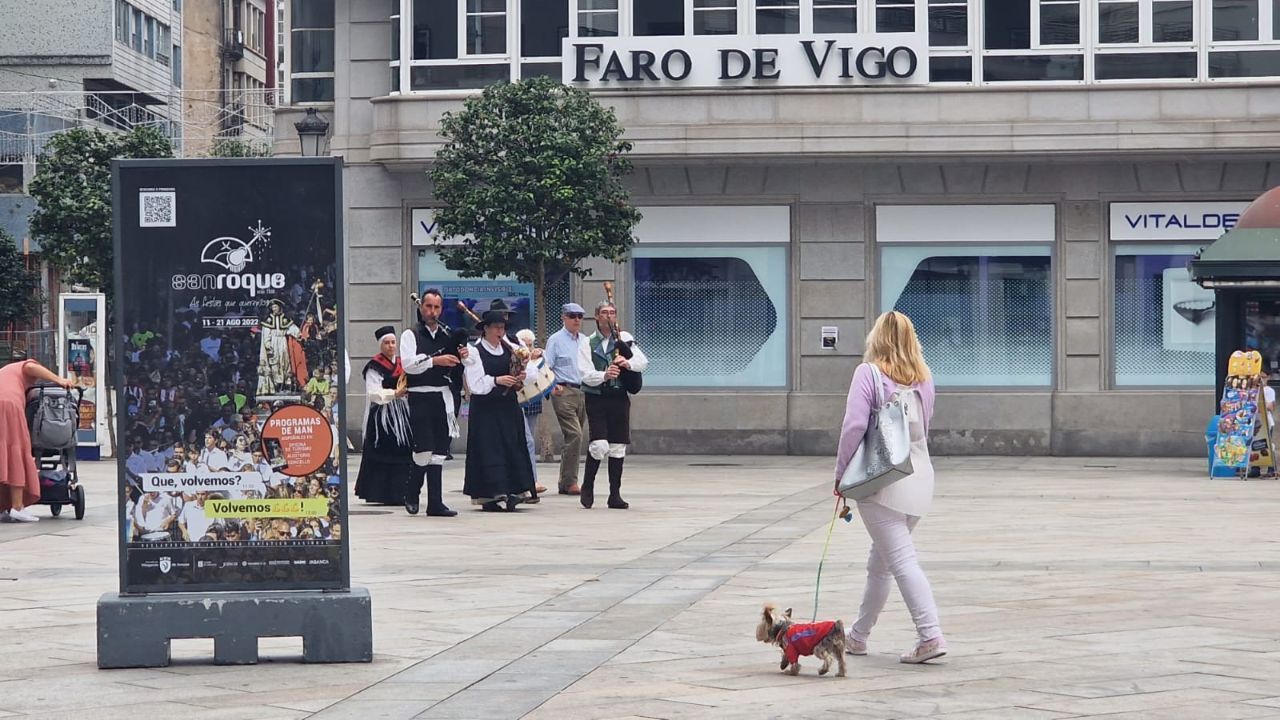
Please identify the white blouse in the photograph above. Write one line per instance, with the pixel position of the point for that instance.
(481, 383)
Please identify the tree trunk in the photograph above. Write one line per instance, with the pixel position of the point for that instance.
(542, 428)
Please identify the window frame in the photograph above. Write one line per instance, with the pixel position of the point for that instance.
(318, 75)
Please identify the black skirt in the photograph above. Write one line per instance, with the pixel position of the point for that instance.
(387, 460)
(497, 454)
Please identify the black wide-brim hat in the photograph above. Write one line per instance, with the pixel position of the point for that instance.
(500, 305)
(383, 331)
(490, 317)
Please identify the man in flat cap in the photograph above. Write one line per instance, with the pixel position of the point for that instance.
(568, 400)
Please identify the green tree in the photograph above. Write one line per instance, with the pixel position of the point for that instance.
(531, 177)
(72, 189)
(239, 148)
(20, 295)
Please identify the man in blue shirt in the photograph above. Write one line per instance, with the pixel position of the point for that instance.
(567, 398)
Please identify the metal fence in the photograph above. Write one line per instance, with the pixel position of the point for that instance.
(38, 345)
(198, 122)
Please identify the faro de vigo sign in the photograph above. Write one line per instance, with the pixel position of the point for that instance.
(877, 59)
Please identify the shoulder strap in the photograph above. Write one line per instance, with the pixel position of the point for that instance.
(878, 379)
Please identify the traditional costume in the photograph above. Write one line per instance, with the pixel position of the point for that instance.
(608, 410)
(386, 463)
(278, 357)
(499, 470)
(431, 410)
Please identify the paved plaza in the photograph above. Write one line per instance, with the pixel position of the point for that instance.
(1067, 588)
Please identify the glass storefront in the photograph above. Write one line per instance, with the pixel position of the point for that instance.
(712, 316)
(1164, 322)
(984, 313)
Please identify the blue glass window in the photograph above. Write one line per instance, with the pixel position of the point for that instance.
(712, 316)
(984, 313)
(1164, 323)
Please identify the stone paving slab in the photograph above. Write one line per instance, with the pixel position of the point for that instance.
(1067, 587)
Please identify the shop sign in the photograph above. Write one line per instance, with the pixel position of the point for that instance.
(868, 59)
(1173, 220)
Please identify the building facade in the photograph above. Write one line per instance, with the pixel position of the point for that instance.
(1026, 178)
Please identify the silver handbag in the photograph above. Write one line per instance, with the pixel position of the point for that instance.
(884, 456)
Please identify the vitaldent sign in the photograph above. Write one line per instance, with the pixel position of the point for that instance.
(1173, 221)
(888, 59)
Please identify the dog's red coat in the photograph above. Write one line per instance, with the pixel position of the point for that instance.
(801, 639)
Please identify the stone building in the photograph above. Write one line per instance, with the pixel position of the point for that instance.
(1026, 178)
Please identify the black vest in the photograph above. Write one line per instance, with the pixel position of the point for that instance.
(429, 346)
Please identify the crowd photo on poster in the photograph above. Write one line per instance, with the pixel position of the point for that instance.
(201, 380)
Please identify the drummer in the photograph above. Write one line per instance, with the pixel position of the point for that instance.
(533, 408)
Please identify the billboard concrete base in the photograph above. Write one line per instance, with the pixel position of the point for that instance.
(134, 630)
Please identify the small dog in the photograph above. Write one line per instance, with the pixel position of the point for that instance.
(824, 640)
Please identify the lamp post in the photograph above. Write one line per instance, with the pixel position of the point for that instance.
(313, 132)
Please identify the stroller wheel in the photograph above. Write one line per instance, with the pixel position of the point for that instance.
(56, 510)
(79, 502)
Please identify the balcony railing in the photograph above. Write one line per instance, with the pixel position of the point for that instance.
(194, 120)
(233, 44)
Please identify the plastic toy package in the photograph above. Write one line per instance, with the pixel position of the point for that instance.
(1238, 413)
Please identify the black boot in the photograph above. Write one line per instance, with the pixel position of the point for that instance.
(435, 488)
(414, 489)
(615, 485)
(587, 496)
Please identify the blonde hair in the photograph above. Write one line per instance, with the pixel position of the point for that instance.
(894, 347)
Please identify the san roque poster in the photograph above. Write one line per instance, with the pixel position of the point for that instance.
(230, 375)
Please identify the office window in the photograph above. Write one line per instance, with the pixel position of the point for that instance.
(777, 17)
(435, 30)
(1025, 68)
(1138, 66)
(177, 65)
(149, 41)
(716, 17)
(138, 22)
(1059, 22)
(708, 347)
(984, 313)
(597, 18)
(835, 16)
(543, 24)
(1007, 23)
(1164, 322)
(1117, 22)
(163, 43)
(1173, 21)
(948, 23)
(1235, 20)
(895, 16)
(311, 51)
(658, 17)
(1261, 63)
(486, 29)
(122, 21)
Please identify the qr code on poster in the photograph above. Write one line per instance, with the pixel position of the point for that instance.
(157, 209)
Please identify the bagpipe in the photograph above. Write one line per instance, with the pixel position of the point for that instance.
(458, 337)
(629, 380)
(520, 357)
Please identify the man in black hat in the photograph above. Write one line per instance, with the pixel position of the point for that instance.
(431, 356)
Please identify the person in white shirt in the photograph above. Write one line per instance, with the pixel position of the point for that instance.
(192, 520)
(603, 361)
(212, 457)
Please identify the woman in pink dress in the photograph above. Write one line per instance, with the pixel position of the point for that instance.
(19, 481)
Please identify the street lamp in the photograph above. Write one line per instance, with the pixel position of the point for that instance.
(312, 133)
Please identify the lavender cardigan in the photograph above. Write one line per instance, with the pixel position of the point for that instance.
(857, 412)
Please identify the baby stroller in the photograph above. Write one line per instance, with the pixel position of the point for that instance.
(53, 415)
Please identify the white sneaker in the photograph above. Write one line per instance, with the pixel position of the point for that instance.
(22, 516)
(925, 651)
(853, 646)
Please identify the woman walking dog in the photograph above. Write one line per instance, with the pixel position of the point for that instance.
(891, 514)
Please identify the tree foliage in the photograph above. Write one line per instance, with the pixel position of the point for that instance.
(531, 177)
(72, 187)
(20, 295)
(239, 148)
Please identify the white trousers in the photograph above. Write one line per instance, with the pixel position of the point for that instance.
(893, 557)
